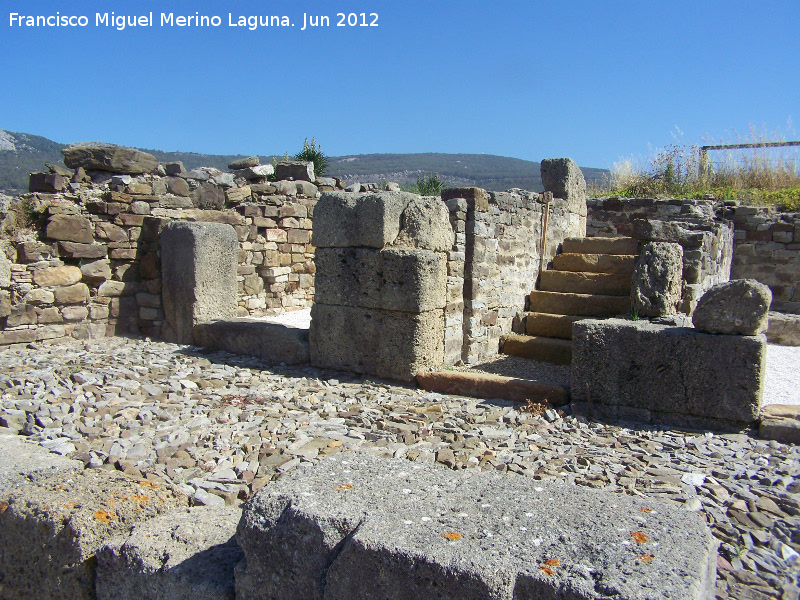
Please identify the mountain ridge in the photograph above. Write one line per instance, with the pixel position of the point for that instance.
(22, 153)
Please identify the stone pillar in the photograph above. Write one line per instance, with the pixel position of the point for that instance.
(564, 178)
(380, 288)
(199, 263)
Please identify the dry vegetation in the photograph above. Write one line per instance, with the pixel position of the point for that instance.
(758, 176)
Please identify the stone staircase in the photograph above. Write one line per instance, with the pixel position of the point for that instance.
(590, 278)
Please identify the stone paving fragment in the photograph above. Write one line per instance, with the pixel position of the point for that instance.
(172, 414)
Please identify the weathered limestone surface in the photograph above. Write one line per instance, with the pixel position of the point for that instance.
(381, 283)
(401, 279)
(109, 157)
(657, 280)
(23, 463)
(780, 422)
(564, 178)
(199, 276)
(645, 371)
(739, 307)
(488, 385)
(187, 554)
(391, 344)
(51, 531)
(251, 337)
(295, 169)
(357, 526)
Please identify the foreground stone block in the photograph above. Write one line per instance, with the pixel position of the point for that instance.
(49, 532)
(357, 526)
(23, 463)
(109, 157)
(643, 371)
(657, 279)
(295, 169)
(274, 343)
(394, 345)
(739, 306)
(198, 262)
(185, 555)
(392, 279)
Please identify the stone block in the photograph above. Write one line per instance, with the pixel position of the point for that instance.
(198, 262)
(476, 198)
(243, 163)
(71, 294)
(565, 180)
(344, 220)
(112, 289)
(274, 343)
(783, 329)
(676, 375)
(5, 270)
(426, 224)
(76, 250)
(359, 526)
(238, 195)
(297, 170)
(51, 531)
(70, 228)
(208, 197)
(394, 345)
(739, 306)
(184, 555)
(656, 286)
(780, 422)
(392, 279)
(52, 276)
(23, 463)
(109, 157)
(74, 313)
(96, 271)
(49, 183)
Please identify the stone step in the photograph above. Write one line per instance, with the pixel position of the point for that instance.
(587, 305)
(595, 263)
(543, 349)
(547, 325)
(600, 245)
(571, 282)
(489, 385)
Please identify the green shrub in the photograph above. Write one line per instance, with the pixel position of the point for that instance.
(312, 152)
(429, 185)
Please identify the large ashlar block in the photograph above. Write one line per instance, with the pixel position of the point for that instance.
(199, 263)
(345, 220)
(675, 375)
(399, 279)
(355, 526)
(394, 345)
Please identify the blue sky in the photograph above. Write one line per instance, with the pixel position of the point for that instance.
(596, 81)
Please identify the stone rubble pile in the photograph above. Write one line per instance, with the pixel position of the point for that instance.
(222, 426)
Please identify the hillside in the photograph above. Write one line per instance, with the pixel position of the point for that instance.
(21, 154)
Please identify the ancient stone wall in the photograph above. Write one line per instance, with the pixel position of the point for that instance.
(495, 262)
(764, 243)
(91, 265)
(705, 235)
(767, 248)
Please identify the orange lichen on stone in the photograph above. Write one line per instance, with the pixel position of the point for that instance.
(149, 484)
(646, 558)
(547, 570)
(645, 510)
(3, 507)
(104, 516)
(553, 562)
(639, 537)
(346, 486)
(452, 536)
(140, 498)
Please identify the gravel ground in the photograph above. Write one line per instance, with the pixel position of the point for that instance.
(782, 383)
